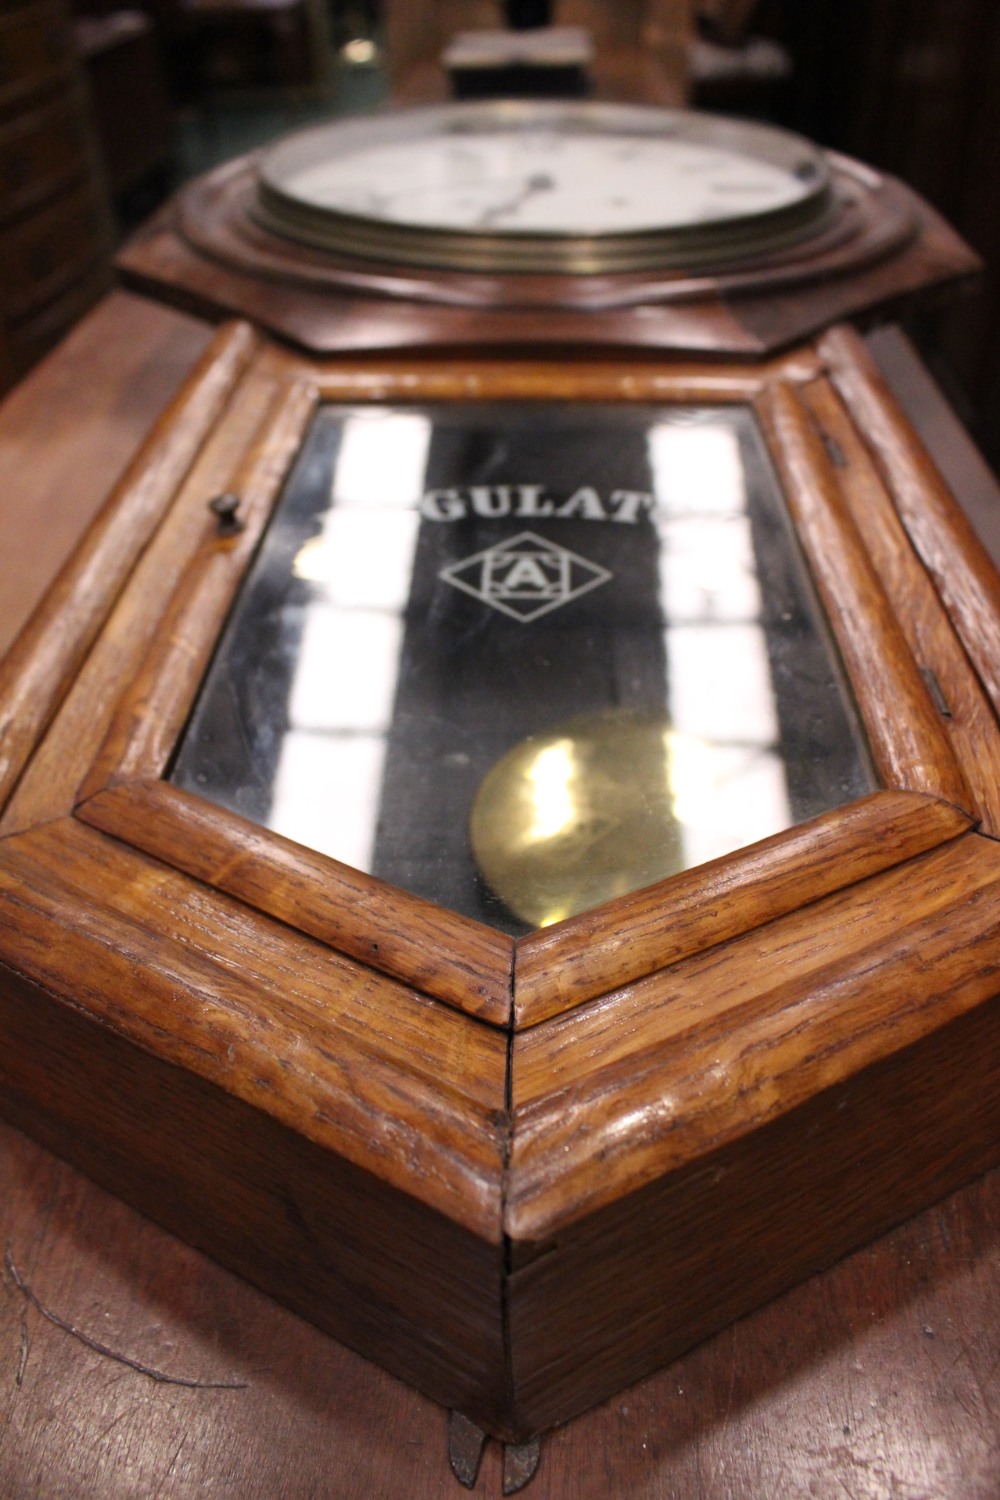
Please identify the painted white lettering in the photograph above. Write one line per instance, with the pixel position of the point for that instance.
(490, 500)
(628, 503)
(530, 503)
(443, 505)
(525, 574)
(585, 503)
(531, 500)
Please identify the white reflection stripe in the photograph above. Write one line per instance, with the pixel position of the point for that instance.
(345, 676)
(719, 683)
(382, 460)
(326, 794)
(708, 570)
(328, 781)
(362, 559)
(697, 470)
(726, 797)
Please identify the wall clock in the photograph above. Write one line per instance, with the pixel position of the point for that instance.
(548, 187)
(776, 240)
(519, 1136)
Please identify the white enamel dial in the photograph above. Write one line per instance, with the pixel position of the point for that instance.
(544, 186)
(541, 182)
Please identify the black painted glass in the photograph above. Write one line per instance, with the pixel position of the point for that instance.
(521, 658)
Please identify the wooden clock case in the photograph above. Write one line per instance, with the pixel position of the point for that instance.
(519, 1174)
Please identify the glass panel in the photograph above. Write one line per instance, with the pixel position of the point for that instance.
(520, 659)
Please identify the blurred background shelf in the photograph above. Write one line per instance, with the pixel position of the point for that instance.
(56, 233)
(105, 107)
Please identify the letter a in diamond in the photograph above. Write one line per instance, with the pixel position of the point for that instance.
(525, 577)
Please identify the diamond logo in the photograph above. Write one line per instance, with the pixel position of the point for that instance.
(525, 577)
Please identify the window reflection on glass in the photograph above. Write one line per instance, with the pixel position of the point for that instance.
(520, 659)
(727, 775)
(344, 681)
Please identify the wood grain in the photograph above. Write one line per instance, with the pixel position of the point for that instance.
(49, 786)
(969, 478)
(368, 1263)
(562, 966)
(908, 741)
(654, 1076)
(308, 1118)
(156, 703)
(344, 1057)
(943, 537)
(545, 380)
(697, 1142)
(99, 394)
(35, 675)
(878, 1373)
(970, 724)
(462, 962)
(675, 1262)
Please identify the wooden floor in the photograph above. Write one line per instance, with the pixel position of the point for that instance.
(879, 1379)
(130, 1366)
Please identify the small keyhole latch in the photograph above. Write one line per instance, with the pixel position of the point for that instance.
(224, 508)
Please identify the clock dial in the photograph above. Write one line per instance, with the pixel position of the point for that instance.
(543, 187)
(535, 181)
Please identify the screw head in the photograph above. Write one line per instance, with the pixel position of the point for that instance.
(225, 507)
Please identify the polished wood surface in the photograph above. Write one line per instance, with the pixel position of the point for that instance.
(150, 716)
(83, 718)
(942, 537)
(906, 731)
(666, 1282)
(35, 675)
(897, 1345)
(930, 636)
(562, 966)
(719, 1032)
(401, 379)
(268, 1016)
(101, 396)
(443, 954)
(881, 1373)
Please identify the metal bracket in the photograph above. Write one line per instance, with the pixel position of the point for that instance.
(937, 692)
(466, 1442)
(520, 1461)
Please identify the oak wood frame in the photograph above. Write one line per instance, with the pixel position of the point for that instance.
(497, 1167)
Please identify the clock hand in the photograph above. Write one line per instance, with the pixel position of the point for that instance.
(539, 183)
